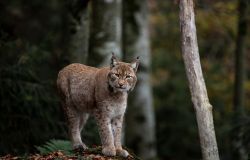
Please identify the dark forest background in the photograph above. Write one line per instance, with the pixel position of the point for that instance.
(34, 46)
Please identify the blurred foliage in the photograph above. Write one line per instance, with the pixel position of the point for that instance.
(32, 50)
(33, 47)
(29, 106)
(29, 112)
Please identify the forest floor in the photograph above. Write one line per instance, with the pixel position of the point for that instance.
(90, 154)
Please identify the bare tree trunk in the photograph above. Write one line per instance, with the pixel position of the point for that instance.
(239, 151)
(105, 31)
(240, 57)
(197, 85)
(140, 120)
(78, 30)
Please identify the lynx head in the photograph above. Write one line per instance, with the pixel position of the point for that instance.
(122, 76)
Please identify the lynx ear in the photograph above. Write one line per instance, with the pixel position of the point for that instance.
(114, 60)
(135, 64)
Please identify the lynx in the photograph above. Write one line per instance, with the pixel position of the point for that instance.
(102, 93)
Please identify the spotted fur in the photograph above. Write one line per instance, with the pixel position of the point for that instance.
(101, 92)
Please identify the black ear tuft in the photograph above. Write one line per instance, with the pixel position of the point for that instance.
(114, 60)
(135, 64)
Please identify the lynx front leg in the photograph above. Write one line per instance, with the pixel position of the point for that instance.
(117, 132)
(105, 131)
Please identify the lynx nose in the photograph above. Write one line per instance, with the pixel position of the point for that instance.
(121, 83)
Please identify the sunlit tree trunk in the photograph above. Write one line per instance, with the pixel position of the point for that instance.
(78, 30)
(140, 119)
(105, 31)
(239, 151)
(203, 108)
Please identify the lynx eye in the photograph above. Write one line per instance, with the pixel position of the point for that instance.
(117, 75)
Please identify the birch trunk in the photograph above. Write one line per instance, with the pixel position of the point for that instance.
(78, 30)
(140, 120)
(197, 85)
(105, 31)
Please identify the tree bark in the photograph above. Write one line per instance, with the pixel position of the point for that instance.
(240, 57)
(78, 30)
(239, 151)
(197, 85)
(105, 31)
(140, 119)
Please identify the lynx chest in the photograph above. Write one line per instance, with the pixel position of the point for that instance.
(112, 108)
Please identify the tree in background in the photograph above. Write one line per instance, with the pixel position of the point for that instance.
(203, 108)
(105, 31)
(140, 119)
(78, 30)
(105, 38)
(239, 150)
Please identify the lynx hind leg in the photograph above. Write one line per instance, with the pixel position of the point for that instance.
(73, 117)
(74, 120)
(83, 120)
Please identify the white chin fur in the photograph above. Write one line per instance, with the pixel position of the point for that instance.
(121, 90)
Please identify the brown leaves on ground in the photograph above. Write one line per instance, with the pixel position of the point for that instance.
(90, 154)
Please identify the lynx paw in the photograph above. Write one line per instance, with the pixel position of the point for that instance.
(79, 148)
(109, 151)
(122, 152)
